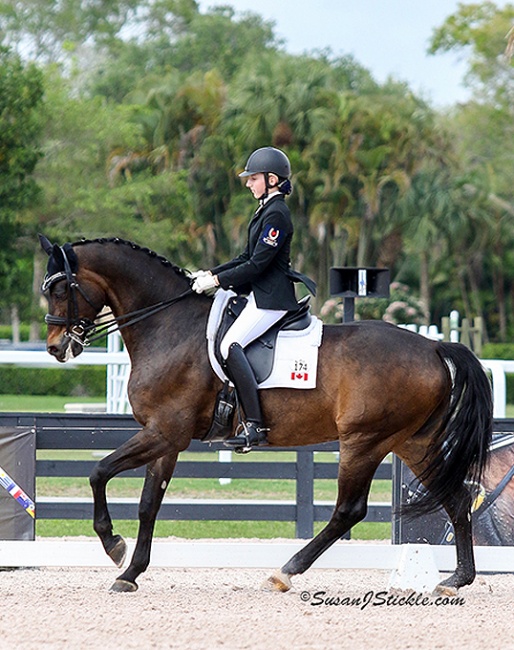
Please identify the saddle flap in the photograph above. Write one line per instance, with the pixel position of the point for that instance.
(276, 355)
(232, 310)
(261, 352)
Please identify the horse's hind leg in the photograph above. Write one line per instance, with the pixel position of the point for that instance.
(458, 508)
(158, 475)
(141, 449)
(354, 483)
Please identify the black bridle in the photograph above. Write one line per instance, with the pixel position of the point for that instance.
(83, 330)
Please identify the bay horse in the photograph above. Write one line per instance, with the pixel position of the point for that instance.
(380, 389)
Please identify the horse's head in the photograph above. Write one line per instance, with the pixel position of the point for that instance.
(73, 302)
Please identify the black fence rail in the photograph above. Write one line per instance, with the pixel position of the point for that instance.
(105, 432)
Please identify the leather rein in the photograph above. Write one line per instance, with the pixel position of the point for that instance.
(80, 329)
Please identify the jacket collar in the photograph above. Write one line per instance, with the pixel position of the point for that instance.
(262, 202)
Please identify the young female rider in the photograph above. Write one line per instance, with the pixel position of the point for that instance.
(263, 273)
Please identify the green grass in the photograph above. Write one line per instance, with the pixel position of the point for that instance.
(198, 488)
(269, 489)
(40, 403)
(325, 490)
(203, 529)
(273, 489)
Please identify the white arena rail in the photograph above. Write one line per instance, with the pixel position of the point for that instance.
(267, 554)
(115, 359)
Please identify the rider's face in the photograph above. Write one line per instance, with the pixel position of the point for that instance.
(256, 183)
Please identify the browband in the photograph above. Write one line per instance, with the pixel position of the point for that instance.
(52, 279)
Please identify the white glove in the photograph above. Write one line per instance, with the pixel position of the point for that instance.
(197, 274)
(204, 283)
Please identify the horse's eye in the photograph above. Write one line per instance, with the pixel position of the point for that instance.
(60, 294)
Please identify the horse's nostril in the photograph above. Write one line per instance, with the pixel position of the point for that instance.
(53, 350)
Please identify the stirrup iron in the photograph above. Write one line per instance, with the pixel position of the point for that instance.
(249, 436)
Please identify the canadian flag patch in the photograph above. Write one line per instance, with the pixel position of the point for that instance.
(300, 371)
(300, 376)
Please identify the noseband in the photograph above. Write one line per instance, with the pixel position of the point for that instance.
(78, 329)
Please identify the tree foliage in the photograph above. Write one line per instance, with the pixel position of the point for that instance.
(152, 107)
(21, 91)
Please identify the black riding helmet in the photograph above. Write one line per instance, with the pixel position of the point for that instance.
(268, 160)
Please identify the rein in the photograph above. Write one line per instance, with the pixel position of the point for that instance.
(78, 328)
(133, 317)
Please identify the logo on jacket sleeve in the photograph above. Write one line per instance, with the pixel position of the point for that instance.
(271, 236)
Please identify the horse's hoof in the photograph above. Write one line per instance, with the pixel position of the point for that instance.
(277, 582)
(123, 586)
(118, 552)
(445, 590)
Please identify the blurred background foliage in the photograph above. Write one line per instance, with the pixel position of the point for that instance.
(132, 118)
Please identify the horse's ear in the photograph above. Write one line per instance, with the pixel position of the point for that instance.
(56, 253)
(72, 257)
(55, 260)
(45, 244)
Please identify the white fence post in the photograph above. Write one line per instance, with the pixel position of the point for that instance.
(454, 326)
(225, 456)
(117, 378)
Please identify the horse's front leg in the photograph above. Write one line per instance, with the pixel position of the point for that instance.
(158, 476)
(141, 449)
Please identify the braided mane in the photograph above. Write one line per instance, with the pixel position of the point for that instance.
(116, 240)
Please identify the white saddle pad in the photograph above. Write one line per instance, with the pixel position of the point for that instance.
(296, 353)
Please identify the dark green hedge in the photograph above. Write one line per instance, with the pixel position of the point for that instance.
(498, 351)
(6, 332)
(90, 381)
(87, 381)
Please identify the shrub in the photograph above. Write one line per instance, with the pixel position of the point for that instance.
(87, 381)
(400, 308)
(498, 351)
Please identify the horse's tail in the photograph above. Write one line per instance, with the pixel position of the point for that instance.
(460, 449)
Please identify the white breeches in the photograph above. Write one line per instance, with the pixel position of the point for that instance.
(249, 325)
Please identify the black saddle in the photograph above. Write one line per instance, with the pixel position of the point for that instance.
(261, 352)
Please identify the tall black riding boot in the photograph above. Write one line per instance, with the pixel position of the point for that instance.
(253, 432)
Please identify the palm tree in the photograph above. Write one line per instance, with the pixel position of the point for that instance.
(425, 207)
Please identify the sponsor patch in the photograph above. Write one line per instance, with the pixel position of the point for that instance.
(271, 236)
